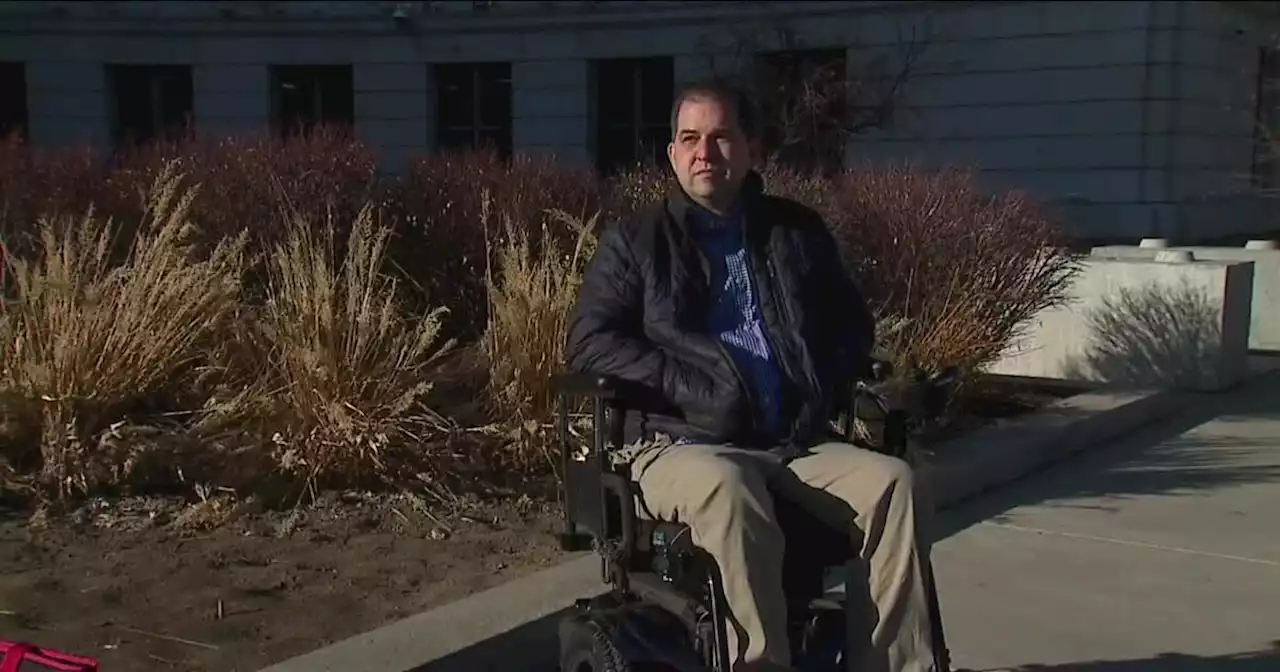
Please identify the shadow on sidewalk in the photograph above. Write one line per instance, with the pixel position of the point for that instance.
(1258, 661)
(1157, 460)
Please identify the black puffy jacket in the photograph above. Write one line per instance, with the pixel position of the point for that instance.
(645, 296)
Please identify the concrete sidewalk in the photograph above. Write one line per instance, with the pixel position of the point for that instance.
(1159, 553)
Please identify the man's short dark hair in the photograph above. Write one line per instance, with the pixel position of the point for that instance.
(726, 93)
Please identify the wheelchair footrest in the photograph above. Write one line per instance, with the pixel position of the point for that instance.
(825, 604)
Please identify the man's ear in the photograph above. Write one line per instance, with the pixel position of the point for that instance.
(671, 154)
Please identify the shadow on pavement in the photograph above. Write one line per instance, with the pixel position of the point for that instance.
(1258, 661)
(535, 641)
(1155, 460)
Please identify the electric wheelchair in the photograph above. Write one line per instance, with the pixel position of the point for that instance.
(665, 609)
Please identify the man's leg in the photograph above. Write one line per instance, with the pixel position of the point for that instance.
(874, 495)
(720, 493)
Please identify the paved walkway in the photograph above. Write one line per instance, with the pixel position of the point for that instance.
(1160, 553)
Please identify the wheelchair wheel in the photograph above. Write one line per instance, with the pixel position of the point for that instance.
(590, 649)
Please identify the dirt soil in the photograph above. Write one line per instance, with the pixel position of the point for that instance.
(158, 585)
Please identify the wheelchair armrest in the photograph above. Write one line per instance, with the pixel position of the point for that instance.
(587, 384)
(620, 393)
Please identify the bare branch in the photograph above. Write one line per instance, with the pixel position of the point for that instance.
(814, 102)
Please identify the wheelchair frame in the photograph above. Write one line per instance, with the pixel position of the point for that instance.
(662, 585)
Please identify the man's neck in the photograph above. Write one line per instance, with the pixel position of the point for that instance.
(718, 207)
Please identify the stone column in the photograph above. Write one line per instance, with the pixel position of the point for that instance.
(231, 99)
(395, 113)
(551, 106)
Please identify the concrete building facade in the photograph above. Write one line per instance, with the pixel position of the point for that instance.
(1137, 118)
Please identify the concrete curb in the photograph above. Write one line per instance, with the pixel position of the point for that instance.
(512, 626)
(1005, 452)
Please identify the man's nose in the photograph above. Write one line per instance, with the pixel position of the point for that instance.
(703, 151)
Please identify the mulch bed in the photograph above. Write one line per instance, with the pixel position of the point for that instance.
(160, 584)
(146, 585)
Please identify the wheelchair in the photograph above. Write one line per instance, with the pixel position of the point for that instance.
(665, 609)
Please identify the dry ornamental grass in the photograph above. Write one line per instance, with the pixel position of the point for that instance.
(283, 323)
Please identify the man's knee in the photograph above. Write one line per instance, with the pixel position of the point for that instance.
(691, 481)
(884, 472)
(897, 474)
(719, 482)
(862, 478)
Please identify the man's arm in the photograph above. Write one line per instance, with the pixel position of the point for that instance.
(853, 327)
(606, 332)
(605, 326)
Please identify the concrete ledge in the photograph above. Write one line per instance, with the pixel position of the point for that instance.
(513, 626)
(1264, 319)
(996, 455)
(1143, 323)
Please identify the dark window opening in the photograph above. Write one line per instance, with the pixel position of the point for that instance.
(633, 111)
(13, 100)
(473, 107)
(150, 102)
(304, 96)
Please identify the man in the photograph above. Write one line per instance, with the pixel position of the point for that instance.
(733, 309)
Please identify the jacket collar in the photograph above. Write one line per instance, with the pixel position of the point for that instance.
(679, 204)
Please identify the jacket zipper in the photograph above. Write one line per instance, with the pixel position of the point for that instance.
(764, 325)
(786, 315)
(768, 334)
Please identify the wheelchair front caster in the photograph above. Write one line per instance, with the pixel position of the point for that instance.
(588, 648)
(608, 635)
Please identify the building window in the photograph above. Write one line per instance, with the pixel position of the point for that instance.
(149, 102)
(633, 111)
(1266, 117)
(473, 106)
(303, 96)
(804, 95)
(13, 100)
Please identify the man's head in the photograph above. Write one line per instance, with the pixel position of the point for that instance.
(714, 143)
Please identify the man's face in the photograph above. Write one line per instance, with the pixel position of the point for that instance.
(710, 153)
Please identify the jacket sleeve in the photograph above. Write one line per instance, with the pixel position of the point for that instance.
(606, 335)
(852, 325)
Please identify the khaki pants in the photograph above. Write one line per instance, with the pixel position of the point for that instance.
(720, 493)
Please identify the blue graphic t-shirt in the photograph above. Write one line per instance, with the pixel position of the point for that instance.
(735, 313)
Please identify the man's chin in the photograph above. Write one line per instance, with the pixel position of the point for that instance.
(705, 187)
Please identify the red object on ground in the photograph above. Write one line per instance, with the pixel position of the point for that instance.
(19, 657)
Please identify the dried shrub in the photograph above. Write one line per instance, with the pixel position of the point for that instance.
(531, 295)
(248, 182)
(637, 188)
(289, 312)
(341, 367)
(442, 204)
(965, 268)
(86, 344)
(40, 184)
